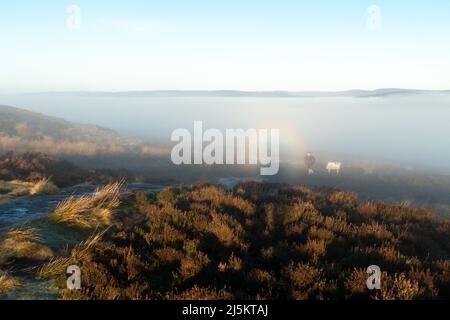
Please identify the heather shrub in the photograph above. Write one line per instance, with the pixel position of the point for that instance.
(191, 266)
(262, 282)
(343, 198)
(314, 249)
(320, 234)
(166, 196)
(259, 241)
(305, 281)
(198, 293)
(355, 284)
(141, 200)
(399, 287)
(234, 263)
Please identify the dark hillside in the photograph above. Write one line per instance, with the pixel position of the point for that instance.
(34, 166)
(266, 241)
(24, 131)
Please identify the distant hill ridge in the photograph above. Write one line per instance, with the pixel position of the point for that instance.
(237, 93)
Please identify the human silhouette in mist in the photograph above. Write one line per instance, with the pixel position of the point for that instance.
(309, 162)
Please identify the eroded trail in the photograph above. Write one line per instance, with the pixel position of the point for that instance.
(16, 212)
(21, 210)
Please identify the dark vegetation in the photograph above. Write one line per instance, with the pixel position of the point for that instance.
(259, 241)
(392, 185)
(35, 166)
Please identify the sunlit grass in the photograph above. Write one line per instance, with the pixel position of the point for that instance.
(8, 283)
(44, 187)
(23, 243)
(89, 211)
(57, 266)
(16, 188)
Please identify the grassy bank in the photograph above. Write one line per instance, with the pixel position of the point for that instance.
(15, 189)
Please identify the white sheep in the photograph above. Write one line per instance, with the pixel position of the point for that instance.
(333, 166)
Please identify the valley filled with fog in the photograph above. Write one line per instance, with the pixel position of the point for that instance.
(407, 130)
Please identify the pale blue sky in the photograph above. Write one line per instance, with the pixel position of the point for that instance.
(244, 45)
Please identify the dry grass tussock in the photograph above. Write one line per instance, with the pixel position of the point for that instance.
(23, 243)
(8, 283)
(44, 187)
(57, 266)
(90, 211)
(16, 188)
